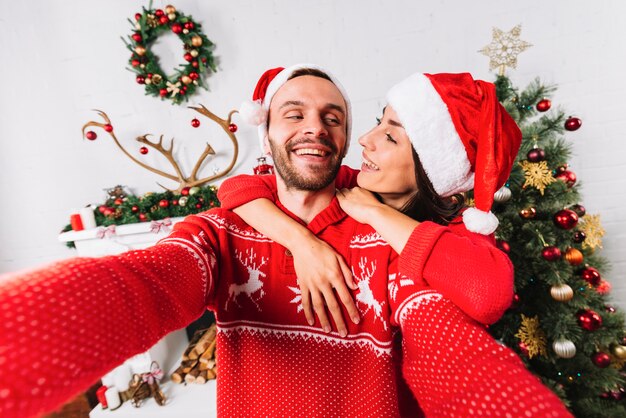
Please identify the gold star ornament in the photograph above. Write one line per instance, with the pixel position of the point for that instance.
(537, 175)
(590, 225)
(504, 48)
(532, 336)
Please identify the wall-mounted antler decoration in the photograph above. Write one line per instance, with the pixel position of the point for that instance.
(191, 180)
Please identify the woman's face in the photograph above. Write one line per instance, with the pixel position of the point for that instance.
(388, 167)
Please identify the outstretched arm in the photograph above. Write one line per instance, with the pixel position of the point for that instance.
(64, 326)
(465, 267)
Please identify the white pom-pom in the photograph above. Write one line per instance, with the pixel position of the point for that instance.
(476, 220)
(253, 113)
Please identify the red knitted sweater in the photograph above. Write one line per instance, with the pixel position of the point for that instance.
(478, 277)
(66, 325)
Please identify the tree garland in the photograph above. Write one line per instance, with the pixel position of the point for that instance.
(148, 26)
(121, 209)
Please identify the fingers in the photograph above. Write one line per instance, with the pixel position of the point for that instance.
(346, 298)
(347, 273)
(306, 305)
(320, 310)
(335, 310)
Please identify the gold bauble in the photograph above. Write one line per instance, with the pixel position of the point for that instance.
(564, 348)
(140, 50)
(619, 351)
(156, 79)
(194, 53)
(196, 41)
(561, 292)
(148, 81)
(183, 201)
(171, 16)
(186, 79)
(169, 9)
(185, 31)
(573, 256)
(194, 190)
(528, 213)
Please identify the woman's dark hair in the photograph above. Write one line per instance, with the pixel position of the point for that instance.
(426, 204)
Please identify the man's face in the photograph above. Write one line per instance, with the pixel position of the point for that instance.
(307, 132)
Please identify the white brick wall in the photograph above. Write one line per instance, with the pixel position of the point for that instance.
(62, 59)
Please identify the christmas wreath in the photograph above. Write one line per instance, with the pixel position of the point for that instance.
(148, 26)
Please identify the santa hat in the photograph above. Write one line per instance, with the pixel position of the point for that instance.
(465, 139)
(255, 112)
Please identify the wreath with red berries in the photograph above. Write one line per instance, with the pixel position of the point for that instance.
(148, 26)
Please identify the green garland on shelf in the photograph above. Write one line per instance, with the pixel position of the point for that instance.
(148, 26)
(153, 206)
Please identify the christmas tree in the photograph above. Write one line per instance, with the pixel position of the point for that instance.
(560, 322)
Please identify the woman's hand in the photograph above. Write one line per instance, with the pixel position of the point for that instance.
(358, 203)
(320, 270)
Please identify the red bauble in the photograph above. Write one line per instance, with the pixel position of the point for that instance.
(515, 301)
(604, 288)
(137, 37)
(134, 209)
(551, 253)
(163, 92)
(118, 201)
(137, 16)
(572, 123)
(91, 135)
(143, 150)
(182, 91)
(188, 57)
(194, 75)
(536, 155)
(523, 348)
(503, 245)
(195, 122)
(108, 128)
(135, 63)
(185, 191)
(578, 237)
(141, 79)
(102, 208)
(108, 212)
(177, 28)
(143, 217)
(175, 202)
(591, 276)
(198, 205)
(164, 20)
(194, 64)
(588, 319)
(189, 25)
(579, 209)
(544, 105)
(602, 360)
(159, 13)
(566, 176)
(609, 308)
(566, 219)
(232, 127)
(164, 203)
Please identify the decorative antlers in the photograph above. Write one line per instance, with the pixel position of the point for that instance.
(191, 180)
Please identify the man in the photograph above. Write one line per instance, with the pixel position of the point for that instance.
(91, 314)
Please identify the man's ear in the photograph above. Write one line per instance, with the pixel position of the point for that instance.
(266, 145)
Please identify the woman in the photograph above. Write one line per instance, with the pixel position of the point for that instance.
(417, 160)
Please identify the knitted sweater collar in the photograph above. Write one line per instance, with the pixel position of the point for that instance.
(332, 214)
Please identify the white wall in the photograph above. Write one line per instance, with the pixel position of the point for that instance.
(62, 58)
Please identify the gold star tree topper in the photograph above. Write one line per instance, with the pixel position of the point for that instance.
(504, 48)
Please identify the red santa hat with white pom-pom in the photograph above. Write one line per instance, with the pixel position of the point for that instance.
(465, 139)
(255, 111)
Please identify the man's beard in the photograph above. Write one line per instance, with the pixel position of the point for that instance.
(322, 175)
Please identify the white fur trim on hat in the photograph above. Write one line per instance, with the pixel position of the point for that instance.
(428, 124)
(476, 220)
(282, 77)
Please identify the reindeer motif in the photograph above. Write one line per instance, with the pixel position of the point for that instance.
(365, 295)
(253, 284)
